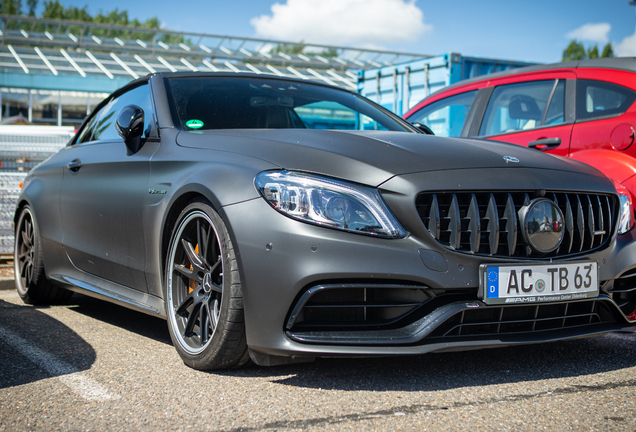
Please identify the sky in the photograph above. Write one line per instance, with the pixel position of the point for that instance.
(534, 31)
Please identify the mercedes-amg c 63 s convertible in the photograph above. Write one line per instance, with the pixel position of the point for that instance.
(280, 220)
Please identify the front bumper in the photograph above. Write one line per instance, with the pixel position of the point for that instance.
(280, 259)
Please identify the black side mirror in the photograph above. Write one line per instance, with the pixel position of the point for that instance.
(427, 130)
(130, 126)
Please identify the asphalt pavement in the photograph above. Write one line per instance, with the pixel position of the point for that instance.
(90, 365)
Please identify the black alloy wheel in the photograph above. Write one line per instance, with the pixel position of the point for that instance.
(203, 295)
(24, 251)
(30, 279)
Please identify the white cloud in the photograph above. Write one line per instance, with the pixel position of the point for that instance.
(627, 47)
(592, 33)
(343, 22)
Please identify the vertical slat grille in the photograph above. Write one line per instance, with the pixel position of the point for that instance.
(568, 237)
(486, 223)
(492, 227)
(510, 218)
(580, 224)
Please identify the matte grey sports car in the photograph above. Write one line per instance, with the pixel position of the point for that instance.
(280, 220)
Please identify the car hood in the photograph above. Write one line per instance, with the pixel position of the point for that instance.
(372, 157)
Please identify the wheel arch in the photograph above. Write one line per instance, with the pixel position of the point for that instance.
(179, 202)
(22, 202)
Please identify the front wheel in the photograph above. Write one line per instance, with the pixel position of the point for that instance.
(204, 301)
(30, 279)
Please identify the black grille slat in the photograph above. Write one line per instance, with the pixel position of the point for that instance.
(510, 216)
(454, 224)
(492, 228)
(590, 223)
(474, 224)
(486, 223)
(568, 238)
(555, 199)
(599, 234)
(433, 218)
(580, 223)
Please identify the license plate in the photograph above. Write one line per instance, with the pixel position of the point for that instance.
(516, 284)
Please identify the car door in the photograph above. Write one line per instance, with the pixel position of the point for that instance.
(102, 196)
(536, 111)
(605, 118)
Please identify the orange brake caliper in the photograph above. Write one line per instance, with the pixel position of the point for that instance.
(193, 284)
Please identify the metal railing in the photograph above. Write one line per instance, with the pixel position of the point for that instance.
(21, 148)
(63, 47)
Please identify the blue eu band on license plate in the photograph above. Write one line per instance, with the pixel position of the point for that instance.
(538, 282)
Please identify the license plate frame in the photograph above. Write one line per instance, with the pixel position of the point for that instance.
(537, 282)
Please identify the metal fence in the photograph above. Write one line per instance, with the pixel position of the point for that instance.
(22, 148)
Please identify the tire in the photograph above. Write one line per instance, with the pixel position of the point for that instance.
(30, 278)
(203, 297)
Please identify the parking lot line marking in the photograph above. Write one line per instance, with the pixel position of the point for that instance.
(75, 380)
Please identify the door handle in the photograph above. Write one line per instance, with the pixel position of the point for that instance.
(74, 165)
(547, 142)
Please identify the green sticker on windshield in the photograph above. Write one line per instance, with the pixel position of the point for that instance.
(194, 124)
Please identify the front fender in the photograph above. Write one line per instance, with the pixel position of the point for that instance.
(179, 175)
(615, 165)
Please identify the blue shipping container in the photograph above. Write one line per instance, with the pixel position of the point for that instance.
(400, 87)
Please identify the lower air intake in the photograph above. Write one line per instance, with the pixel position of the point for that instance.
(347, 306)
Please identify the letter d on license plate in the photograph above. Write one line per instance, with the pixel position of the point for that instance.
(515, 284)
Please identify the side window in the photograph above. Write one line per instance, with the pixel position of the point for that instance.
(600, 99)
(446, 116)
(518, 107)
(87, 133)
(104, 122)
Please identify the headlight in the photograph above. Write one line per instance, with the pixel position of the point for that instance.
(626, 221)
(328, 202)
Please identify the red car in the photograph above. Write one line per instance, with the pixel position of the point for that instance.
(583, 110)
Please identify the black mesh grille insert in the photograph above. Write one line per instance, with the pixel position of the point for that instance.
(487, 223)
(498, 320)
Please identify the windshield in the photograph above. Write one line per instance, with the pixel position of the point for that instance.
(199, 103)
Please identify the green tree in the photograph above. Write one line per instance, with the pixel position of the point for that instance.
(32, 5)
(290, 48)
(576, 51)
(53, 10)
(330, 52)
(116, 17)
(11, 7)
(608, 51)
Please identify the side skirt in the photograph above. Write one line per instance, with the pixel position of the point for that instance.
(114, 293)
